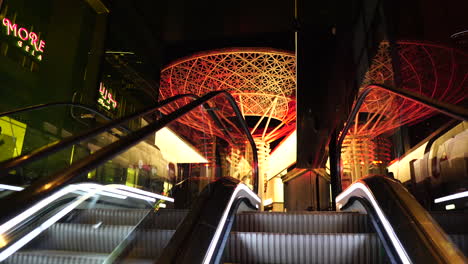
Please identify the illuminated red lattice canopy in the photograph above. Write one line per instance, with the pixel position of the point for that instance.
(261, 80)
(435, 71)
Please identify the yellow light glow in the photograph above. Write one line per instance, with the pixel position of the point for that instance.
(175, 149)
(3, 241)
(284, 155)
(449, 207)
(267, 202)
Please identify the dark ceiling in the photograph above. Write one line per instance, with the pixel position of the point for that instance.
(162, 31)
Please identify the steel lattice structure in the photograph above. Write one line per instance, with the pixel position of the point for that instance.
(435, 71)
(261, 80)
(432, 70)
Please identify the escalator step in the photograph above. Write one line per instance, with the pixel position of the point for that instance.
(55, 257)
(81, 237)
(108, 216)
(461, 240)
(80, 243)
(251, 247)
(164, 219)
(169, 218)
(452, 222)
(302, 222)
(151, 243)
(61, 257)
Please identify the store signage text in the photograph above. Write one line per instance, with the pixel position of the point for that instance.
(28, 41)
(106, 99)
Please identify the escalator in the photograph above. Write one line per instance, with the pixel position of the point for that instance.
(454, 224)
(114, 200)
(90, 236)
(303, 237)
(78, 217)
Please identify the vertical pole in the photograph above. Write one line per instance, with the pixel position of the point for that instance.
(335, 177)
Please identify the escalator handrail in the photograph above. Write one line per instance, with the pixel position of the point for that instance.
(414, 235)
(45, 186)
(16, 162)
(47, 105)
(453, 111)
(202, 235)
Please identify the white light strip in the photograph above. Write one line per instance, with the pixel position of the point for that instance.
(11, 187)
(221, 224)
(91, 189)
(136, 190)
(459, 33)
(31, 235)
(68, 189)
(451, 197)
(35, 208)
(113, 195)
(388, 227)
(110, 189)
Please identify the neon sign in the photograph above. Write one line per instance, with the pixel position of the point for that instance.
(28, 41)
(106, 99)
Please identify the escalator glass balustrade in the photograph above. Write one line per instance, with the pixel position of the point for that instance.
(125, 198)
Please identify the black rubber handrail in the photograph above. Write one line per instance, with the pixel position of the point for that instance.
(453, 111)
(202, 235)
(42, 106)
(403, 225)
(17, 202)
(16, 162)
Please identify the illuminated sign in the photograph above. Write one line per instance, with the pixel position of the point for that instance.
(28, 41)
(106, 99)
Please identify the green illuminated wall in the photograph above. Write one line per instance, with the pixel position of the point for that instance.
(11, 138)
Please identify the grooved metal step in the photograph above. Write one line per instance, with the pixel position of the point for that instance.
(54, 256)
(254, 247)
(455, 224)
(452, 222)
(461, 240)
(163, 219)
(302, 222)
(90, 235)
(81, 237)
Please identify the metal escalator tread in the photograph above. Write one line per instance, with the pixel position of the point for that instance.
(108, 216)
(81, 237)
(55, 257)
(254, 247)
(461, 241)
(164, 219)
(95, 233)
(454, 223)
(60, 257)
(302, 222)
(303, 237)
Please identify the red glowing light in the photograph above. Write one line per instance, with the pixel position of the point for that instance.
(435, 71)
(262, 82)
(23, 35)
